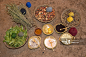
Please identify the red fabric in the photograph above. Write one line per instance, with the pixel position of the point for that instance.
(73, 31)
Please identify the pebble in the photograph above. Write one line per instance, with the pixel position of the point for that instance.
(20, 34)
(44, 48)
(23, 11)
(42, 52)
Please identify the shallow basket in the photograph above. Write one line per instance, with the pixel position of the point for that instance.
(15, 47)
(76, 19)
(40, 20)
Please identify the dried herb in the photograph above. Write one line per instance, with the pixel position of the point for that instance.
(18, 17)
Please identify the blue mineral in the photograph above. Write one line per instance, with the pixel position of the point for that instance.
(28, 4)
(49, 9)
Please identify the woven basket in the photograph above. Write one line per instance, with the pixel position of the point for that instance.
(15, 47)
(76, 19)
(41, 20)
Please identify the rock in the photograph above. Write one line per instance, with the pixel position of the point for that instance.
(20, 34)
(23, 11)
(49, 9)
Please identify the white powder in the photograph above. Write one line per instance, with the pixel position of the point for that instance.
(48, 44)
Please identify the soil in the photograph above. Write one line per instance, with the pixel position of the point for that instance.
(61, 50)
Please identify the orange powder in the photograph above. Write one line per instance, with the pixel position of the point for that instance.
(38, 31)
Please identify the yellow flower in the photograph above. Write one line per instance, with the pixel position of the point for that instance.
(71, 14)
(70, 19)
(49, 30)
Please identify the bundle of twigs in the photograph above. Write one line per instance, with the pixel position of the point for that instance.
(18, 17)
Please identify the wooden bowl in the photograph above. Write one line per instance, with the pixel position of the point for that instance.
(46, 26)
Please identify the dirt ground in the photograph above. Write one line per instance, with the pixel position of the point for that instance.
(60, 50)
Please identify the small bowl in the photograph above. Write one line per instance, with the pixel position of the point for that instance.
(65, 38)
(46, 44)
(46, 27)
(58, 28)
(38, 32)
(32, 44)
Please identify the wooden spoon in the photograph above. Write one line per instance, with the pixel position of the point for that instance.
(36, 42)
(51, 44)
(64, 28)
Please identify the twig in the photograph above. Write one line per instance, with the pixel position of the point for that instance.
(51, 44)
(36, 42)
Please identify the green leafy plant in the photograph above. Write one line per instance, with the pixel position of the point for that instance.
(13, 39)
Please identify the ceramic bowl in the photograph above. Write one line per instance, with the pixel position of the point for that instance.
(47, 27)
(47, 43)
(38, 31)
(60, 28)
